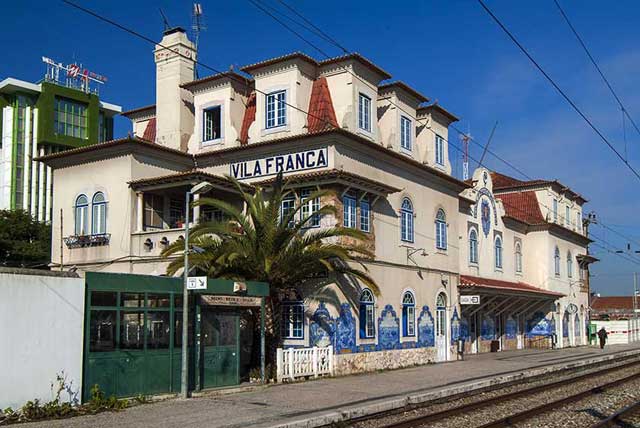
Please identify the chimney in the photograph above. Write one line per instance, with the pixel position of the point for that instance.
(175, 58)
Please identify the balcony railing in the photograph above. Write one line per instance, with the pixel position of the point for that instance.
(82, 241)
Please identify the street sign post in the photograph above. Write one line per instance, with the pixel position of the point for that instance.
(470, 300)
(197, 283)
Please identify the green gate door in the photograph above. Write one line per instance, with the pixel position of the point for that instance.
(219, 331)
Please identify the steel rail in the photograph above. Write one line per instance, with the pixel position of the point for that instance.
(617, 418)
(528, 414)
(464, 408)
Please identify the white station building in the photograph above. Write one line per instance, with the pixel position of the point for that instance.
(499, 262)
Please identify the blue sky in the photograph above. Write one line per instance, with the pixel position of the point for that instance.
(450, 51)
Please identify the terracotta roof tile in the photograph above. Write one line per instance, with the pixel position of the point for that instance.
(604, 303)
(248, 119)
(321, 113)
(400, 84)
(231, 75)
(295, 55)
(467, 281)
(150, 131)
(356, 56)
(522, 206)
(149, 108)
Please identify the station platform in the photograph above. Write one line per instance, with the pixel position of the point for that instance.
(319, 402)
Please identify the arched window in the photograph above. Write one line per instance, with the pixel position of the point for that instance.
(498, 248)
(367, 315)
(81, 216)
(556, 261)
(441, 315)
(408, 314)
(569, 265)
(441, 230)
(99, 214)
(518, 257)
(406, 220)
(473, 246)
(441, 301)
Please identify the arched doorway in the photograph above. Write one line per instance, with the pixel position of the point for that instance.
(441, 327)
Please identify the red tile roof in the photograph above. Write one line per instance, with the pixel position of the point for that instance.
(321, 114)
(400, 84)
(467, 281)
(231, 75)
(249, 117)
(522, 206)
(437, 107)
(150, 131)
(357, 57)
(295, 55)
(150, 108)
(605, 303)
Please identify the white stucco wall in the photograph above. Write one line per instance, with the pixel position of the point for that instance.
(41, 328)
(619, 332)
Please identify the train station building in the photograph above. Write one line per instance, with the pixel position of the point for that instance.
(499, 262)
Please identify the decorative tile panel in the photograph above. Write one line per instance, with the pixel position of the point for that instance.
(426, 336)
(345, 330)
(388, 329)
(322, 327)
(511, 328)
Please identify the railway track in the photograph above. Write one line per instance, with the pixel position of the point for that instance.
(617, 419)
(482, 404)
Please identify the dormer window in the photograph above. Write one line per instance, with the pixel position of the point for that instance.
(212, 124)
(405, 133)
(364, 112)
(276, 109)
(439, 150)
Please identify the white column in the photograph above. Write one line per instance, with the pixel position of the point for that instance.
(196, 210)
(139, 211)
(34, 166)
(6, 164)
(41, 188)
(48, 190)
(26, 161)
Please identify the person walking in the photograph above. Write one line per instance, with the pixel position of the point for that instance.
(602, 335)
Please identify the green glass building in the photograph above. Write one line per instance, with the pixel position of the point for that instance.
(38, 119)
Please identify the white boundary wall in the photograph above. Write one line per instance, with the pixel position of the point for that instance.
(41, 335)
(620, 331)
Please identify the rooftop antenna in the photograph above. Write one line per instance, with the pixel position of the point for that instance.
(484, 152)
(164, 19)
(197, 25)
(464, 139)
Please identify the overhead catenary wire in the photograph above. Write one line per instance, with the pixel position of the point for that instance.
(558, 89)
(625, 112)
(149, 40)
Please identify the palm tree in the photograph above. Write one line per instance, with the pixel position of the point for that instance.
(263, 243)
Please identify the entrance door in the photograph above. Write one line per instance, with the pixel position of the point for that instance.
(500, 331)
(473, 333)
(219, 331)
(441, 328)
(520, 332)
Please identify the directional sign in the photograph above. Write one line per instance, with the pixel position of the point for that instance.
(197, 283)
(469, 300)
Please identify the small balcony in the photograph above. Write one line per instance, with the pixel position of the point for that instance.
(83, 241)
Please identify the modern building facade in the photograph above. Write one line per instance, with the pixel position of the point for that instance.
(382, 149)
(38, 119)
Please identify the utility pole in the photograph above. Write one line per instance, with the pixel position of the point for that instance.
(634, 328)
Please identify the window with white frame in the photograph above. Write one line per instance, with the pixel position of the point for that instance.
(81, 220)
(473, 247)
(212, 123)
(349, 210)
(153, 211)
(406, 220)
(408, 314)
(365, 214)
(287, 207)
(498, 250)
(569, 265)
(276, 109)
(439, 150)
(555, 210)
(518, 257)
(98, 214)
(176, 213)
(309, 208)
(556, 261)
(567, 216)
(364, 112)
(367, 315)
(405, 133)
(441, 230)
(293, 319)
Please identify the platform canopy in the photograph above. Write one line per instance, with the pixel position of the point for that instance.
(504, 297)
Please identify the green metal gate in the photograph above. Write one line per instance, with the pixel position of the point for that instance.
(219, 331)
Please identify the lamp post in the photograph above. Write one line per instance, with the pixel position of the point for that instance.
(184, 386)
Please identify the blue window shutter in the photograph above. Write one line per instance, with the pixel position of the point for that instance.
(363, 321)
(404, 320)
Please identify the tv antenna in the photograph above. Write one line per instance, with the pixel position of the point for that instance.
(165, 20)
(197, 25)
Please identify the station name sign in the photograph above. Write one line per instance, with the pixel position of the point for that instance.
(272, 165)
(215, 300)
(469, 300)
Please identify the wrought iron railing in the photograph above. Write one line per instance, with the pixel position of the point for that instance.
(81, 241)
